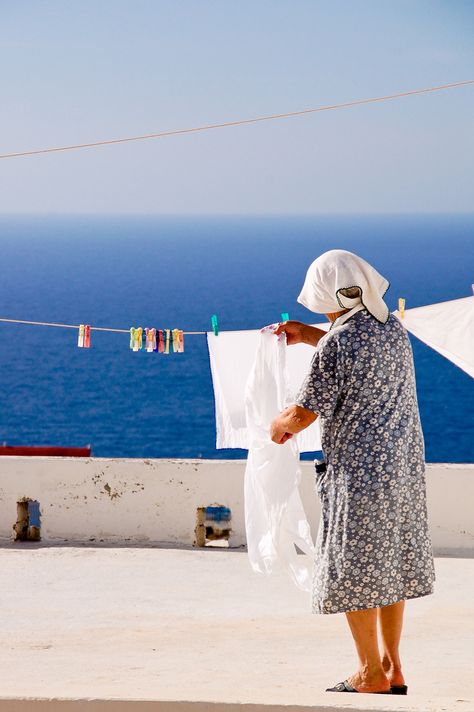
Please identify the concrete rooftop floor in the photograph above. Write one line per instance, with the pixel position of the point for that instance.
(178, 629)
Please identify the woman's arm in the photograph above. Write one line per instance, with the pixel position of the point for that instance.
(298, 333)
(290, 422)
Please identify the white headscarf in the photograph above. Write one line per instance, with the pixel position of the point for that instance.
(337, 270)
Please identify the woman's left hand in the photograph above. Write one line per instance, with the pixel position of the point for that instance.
(278, 433)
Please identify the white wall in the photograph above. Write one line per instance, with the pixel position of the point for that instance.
(154, 501)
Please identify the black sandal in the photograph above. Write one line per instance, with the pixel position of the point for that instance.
(347, 687)
(399, 689)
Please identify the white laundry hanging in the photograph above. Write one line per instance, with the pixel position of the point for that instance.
(275, 520)
(448, 327)
(231, 355)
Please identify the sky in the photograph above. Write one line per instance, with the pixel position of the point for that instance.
(98, 69)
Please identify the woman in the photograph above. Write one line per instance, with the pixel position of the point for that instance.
(373, 549)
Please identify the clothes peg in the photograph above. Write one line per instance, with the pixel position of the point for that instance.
(150, 339)
(181, 342)
(175, 340)
(137, 338)
(80, 338)
(132, 337)
(285, 316)
(136, 343)
(161, 341)
(215, 324)
(87, 336)
(167, 341)
(401, 307)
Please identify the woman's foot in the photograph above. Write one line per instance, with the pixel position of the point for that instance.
(393, 673)
(362, 681)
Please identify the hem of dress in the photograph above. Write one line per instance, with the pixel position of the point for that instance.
(348, 609)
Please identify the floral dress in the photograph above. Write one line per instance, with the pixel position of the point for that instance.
(373, 546)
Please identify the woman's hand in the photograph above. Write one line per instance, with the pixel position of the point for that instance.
(299, 333)
(289, 422)
(278, 433)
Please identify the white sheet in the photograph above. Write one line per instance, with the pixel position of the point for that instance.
(232, 354)
(448, 327)
(275, 519)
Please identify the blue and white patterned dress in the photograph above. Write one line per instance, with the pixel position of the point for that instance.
(373, 546)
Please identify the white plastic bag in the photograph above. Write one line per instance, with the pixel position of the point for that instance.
(275, 519)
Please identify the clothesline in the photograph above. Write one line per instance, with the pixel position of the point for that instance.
(447, 327)
(77, 326)
(214, 323)
(238, 122)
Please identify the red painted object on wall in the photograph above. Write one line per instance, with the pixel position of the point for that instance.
(45, 451)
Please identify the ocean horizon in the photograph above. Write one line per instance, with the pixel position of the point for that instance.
(175, 272)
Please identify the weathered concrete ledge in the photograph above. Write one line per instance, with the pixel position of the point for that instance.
(150, 502)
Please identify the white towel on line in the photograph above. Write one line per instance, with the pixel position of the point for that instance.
(232, 355)
(448, 327)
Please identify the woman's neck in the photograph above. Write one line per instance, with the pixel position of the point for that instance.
(334, 315)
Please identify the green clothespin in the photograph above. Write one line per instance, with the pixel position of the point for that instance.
(285, 316)
(214, 324)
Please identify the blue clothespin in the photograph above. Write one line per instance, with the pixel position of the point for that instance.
(214, 324)
(285, 316)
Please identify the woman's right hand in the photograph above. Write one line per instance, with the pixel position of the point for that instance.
(294, 330)
(299, 333)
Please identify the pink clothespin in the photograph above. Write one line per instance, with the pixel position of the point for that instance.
(150, 339)
(161, 342)
(181, 342)
(87, 336)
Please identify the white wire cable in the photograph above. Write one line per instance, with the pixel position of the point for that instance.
(238, 122)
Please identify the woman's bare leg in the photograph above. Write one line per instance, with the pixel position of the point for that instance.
(371, 676)
(391, 623)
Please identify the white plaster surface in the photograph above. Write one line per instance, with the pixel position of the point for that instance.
(151, 501)
(117, 627)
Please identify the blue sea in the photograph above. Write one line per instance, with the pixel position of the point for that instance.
(174, 272)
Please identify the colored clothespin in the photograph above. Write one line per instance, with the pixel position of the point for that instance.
(87, 336)
(401, 307)
(161, 341)
(136, 336)
(133, 339)
(175, 334)
(167, 341)
(214, 324)
(285, 316)
(181, 342)
(80, 338)
(150, 339)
